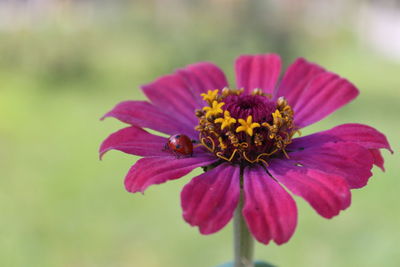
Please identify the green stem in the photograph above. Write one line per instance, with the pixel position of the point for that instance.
(243, 241)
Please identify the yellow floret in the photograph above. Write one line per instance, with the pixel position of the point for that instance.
(277, 116)
(226, 121)
(247, 126)
(215, 109)
(210, 96)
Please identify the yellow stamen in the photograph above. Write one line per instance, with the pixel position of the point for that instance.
(210, 96)
(215, 109)
(277, 117)
(282, 102)
(260, 92)
(220, 155)
(203, 142)
(221, 143)
(226, 121)
(226, 91)
(247, 126)
(258, 159)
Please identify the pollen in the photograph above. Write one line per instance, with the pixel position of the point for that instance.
(210, 96)
(247, 126)
(215, 109)
(226, 121)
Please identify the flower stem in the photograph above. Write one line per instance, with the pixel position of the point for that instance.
(243, 241)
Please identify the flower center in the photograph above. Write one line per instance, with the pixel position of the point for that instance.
(257, 106)
(245, 129)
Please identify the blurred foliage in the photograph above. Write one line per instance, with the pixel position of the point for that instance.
(61, 206)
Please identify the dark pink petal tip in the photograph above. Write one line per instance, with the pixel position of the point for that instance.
(258, 71)
(203, 76)
(270, 212)
(363, 135)
(348, 160)
(327, 193)
(171, 94)
(325, 94)
(179, 93)
(313, 92)
(135, 141)
(146, 115)
(378, 159)
(210, 199)
(157, 170)
(296, 78)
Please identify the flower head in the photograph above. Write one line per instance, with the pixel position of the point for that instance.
(250, 138)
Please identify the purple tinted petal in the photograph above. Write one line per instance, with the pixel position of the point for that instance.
(257, 71)
(203, 76)
(360, 134)
(172, 94)
(144, 114)
(314, 93)
(270, 212)
(210, 199)
(378, 159)
(296, 79)
(363, 135)
(327, 193)
(136, 141)
(179, 93)
(326, 93)
(348, 160)
(348, 150)
(157, 170)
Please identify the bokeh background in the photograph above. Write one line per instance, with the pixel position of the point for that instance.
(64, 63)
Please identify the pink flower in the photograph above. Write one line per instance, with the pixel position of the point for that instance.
(249, 138)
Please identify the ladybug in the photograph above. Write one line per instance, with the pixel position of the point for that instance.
(180, 145)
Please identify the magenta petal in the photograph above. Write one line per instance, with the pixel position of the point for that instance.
(363, 135)
(270, 212)
(296, 79)
(325, 94)
(327, 193)
(348, 160)
(136, 141)
(360, 134)
(172, 94)
(348, 150)
(203, 76)
(378, 159)
(144, 114)
(157, 170)
(258, 71)
(210, 199)
(314, 93)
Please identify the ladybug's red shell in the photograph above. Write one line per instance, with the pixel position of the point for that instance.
(181, 144)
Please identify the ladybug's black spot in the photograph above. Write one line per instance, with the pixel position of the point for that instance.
(178, 146)
(177, 136)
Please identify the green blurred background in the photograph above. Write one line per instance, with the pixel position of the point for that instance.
(63, 64)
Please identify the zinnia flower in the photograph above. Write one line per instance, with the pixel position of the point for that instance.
(249, 138)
